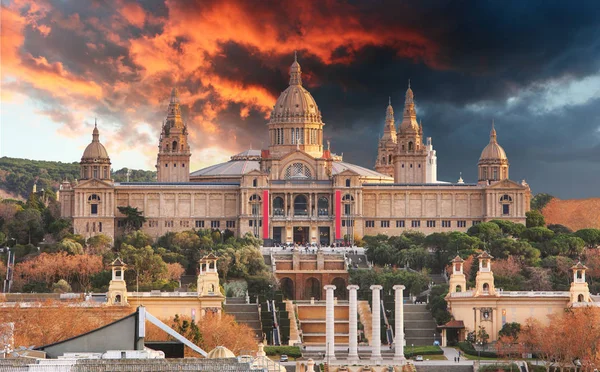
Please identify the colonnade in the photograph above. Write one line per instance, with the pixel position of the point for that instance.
(375, 324)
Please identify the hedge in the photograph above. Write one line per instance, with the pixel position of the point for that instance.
(423, 350)
(498, 367)
(467, 348)
(291, 351)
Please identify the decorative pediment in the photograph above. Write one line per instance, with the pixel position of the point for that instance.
(506, 184)
(297, 155)
(347, 173)
(93, 184)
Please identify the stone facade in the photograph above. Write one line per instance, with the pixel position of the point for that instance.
(297, 190)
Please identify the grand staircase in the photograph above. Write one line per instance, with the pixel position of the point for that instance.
(245, 313)
(312, 322)
(419, 326)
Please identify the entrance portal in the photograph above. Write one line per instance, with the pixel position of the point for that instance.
(277, 235)
(300, 235)
(324, 236)
(287, 288)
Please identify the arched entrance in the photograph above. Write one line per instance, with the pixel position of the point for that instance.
(312, 288)
(340, 288)
(286, 285)
(300, 206)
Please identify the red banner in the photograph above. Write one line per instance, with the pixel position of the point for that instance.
(338, 215)
(265, 214)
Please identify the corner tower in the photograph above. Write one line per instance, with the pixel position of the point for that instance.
(387, 144)
(173, 161)
(410, 164)
(493, 163)
(295, 121)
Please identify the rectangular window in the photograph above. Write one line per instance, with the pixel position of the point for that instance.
(347, 223)
(476, 223)
(169, 223)
(230, 224)
(505, 209)
(346, 208)
(184, 223)
(415, 223)
(369, 223)
(385, 223)
(400, 223)
(446, 224)
(199, 224)
(215, 224)
(430, 223)
(94, 209)
(99, 226)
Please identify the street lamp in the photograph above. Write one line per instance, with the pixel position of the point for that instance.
(412, 350)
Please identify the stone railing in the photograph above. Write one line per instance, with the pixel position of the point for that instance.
(533, 293)
(586, 304)
(162, 294)
(462, 294)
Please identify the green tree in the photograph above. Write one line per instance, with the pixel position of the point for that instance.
(134, 219)
(511, 330)
(188, 329)
(70, 246)
(591, 237)
(539, 201)
(61, 287)
(537, 234)
(509, 228)
(137, 239)
(148, 266)
(559, 229)
(26, 226)
(506, 247)
(482, 335)
(99, 244)
(534, 219)
(563, 245)
(485, 231)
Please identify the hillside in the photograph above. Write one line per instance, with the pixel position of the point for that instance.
(576, 214)
(17, 176)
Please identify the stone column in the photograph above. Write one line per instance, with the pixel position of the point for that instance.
(399, 323)
(353, 338)
(329, 324)
(376, 324)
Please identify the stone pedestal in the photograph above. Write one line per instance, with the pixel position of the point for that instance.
(376, 324)
(399, 323)
(353, 339)
(329, 324)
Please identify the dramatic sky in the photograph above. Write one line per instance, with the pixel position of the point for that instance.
(532, 66)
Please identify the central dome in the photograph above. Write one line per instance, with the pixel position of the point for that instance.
(95, 150)
(493, 151)
(295, 104)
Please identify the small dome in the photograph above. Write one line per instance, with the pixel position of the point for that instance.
(220, 352)
(95, 150)
(493, 151)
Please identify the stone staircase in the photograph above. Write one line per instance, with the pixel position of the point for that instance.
(419, 326)
(359, 259)
(294, 332)
(437, 278)
(312, 322)
(244, 313)
(364, 313)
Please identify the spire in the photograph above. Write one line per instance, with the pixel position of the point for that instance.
(174, 111)
(95, 132)
(409, 96)
(493, 138)
(174, 95)
(295, 72)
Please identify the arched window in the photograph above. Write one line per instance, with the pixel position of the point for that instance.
(278, 206)
(118, 299)
(174, 146)
(93, 201)
(255, 203)
(383, 160)
(484, 174)
(347, 182)
(298, 171)
(495, 173)
(323, 206)
(347, 200)
(95, 171)
(390, 159)
(402, 147)
(580, 298)
(486, 287)
(300, 206)
(254, 182)
(105, 173)
(458, 288)
(505, 200)
(410, 146)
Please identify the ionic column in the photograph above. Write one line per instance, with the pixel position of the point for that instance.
(376, 324)
(399, 323)
(353, 341)
(329, 324)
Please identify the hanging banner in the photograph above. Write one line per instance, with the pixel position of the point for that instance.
(265, 214)
(338, 215)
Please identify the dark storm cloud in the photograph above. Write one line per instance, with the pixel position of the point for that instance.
(469, 63)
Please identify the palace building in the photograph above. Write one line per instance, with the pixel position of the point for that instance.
(296, 190)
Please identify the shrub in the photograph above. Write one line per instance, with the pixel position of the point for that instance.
(468, 348)
(291, 351)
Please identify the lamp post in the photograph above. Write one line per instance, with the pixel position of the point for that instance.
(479, 343)
(412, 350)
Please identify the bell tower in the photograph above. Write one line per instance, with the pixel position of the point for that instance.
(580, 292)
(208, 278)
(117, 288)
(458, 280)
(484, 282)
(410, 163)
(387, 144)
(173, 161)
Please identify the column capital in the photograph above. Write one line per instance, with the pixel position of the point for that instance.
(352, 287)
(398, 287)
(376, 287)
(329, 286)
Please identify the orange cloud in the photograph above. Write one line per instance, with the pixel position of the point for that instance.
(133, 13)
